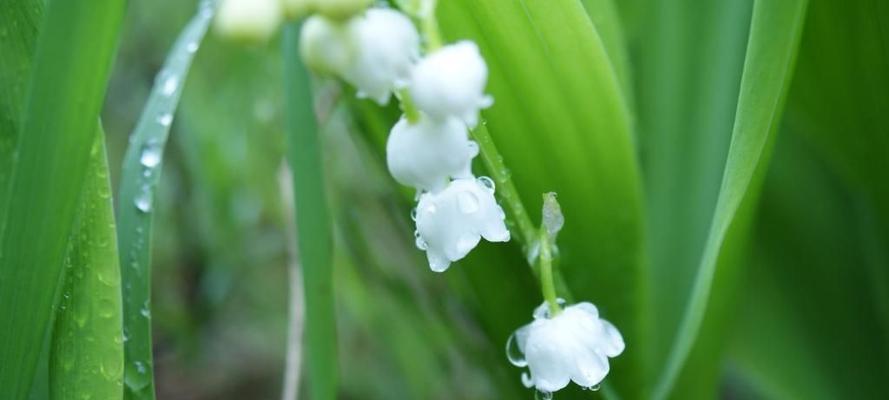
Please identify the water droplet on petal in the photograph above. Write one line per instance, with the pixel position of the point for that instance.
(514, 354)
(526, 380)
(467, 202)
(543, 395)
(473, 148)
(420, 242)
(486, 182)
(414, 213)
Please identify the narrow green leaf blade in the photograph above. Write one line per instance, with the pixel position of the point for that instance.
(605, 19)
(774, 36)
(690, 61)
(141, 172)
(19, 23)
(313, 225)
(87, 345)
(68, 80)
(826, 209)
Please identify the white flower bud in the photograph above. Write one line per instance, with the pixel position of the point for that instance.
(427, 154)
(254, 20)
(572, 346)
(450, 223)
(325, 45)
(386, 44)
(451, 82)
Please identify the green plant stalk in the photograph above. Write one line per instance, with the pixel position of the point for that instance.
(546, 273)
(142, 167)
(506, 189)
(314, 230)
(407, 106)
(429, 26)
(87, 341)
(71, 65)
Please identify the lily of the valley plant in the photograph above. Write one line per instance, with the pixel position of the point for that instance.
(441, 87)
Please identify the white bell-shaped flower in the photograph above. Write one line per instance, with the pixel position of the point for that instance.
(386, 45)
(325, 45)
(254, 20)
(451, 222)
(451, 82)
(428, 153)
(573, 345)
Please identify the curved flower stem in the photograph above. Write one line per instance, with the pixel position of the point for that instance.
(407, 105)
(429, 26)
(506, 189)
(537, 244)
(546, 273)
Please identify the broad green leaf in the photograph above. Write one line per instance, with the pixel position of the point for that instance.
(67, 84)
(826, 208)
(788, 330)
(607, 22)
(19, 23)
(562, 125)
(87, 345)
(313, 224)
(141, 172)
(775, 30)
(690, 56)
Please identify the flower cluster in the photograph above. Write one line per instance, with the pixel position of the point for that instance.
(258, 20)
(378, 52)
(573, 345)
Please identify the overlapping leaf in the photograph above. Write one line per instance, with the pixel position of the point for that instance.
(65, 94)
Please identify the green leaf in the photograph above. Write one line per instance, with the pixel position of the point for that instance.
(67, 84)
(605, 19)
(787, 331)
(87, 344)
(690, 59)
(775, 30)
(313, 225)
(826, 207)
(141, 172)
(562, 125)
(19, 22)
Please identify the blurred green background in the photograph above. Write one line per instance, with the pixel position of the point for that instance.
(803, 314)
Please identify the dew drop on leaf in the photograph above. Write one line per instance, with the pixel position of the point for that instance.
(165, 119)
(171, 83)
(143, 200)
(151, 154)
